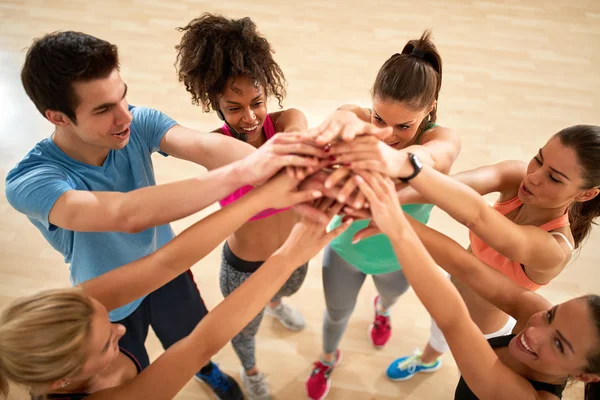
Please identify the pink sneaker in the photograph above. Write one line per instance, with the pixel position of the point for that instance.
(319, 381)
(381, 329)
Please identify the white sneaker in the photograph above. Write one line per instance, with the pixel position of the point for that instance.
(290, 318)
(255, 386)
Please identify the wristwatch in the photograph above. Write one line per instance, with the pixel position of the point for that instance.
(417, 165)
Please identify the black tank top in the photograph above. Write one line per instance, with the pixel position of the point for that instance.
(80, 396)
(463, 392)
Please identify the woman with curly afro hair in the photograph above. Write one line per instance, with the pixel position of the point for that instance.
(228, 67)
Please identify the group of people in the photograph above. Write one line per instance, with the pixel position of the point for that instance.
(361, 185)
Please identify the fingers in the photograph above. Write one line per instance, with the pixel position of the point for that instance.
(338, 231)
(350, 131)
(328, 131)
(366, 189)
(347, 190)
(304, 196)
(386, 182)
(383, 186)
(365, 233)
(293, 160)
(299, 149)
(374, 183)
(335, 210)
(362, 143)
(290, 171)
(301, 173)
(309, 212)
(359, 201)
(337, 176)
(357, 214)
(325, 204)
(368, 165)
(357, 156)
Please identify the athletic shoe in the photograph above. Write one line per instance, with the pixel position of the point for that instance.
(319, 381)
(223, 386)
(290, 318)
(381, 329)
(406, 367)
(255, 386)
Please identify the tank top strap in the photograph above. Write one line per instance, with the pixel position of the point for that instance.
(556, 223)
(507, 206)
(268, 127)
(226, 130)
(428, 126)
(501, 341)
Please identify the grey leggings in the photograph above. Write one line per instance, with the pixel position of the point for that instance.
(341, 283)
(230, 279)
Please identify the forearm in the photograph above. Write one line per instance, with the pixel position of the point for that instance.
(408, 195)
(458, 200)
(243, 304)
(438, 295)
(157, 205)
(170, 372)
(485, 281)
(424, 155)
(132, 281)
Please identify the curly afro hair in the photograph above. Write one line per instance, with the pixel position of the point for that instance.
(214, 49)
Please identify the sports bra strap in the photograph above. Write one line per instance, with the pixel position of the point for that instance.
(562, 235)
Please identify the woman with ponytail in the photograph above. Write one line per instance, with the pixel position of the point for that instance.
(404, 115)
(545, 210)
(550, 344)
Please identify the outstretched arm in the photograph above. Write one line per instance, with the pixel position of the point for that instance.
(176, 366)
(129, 282)
(485, 374)
(503, 177)
(539, 251)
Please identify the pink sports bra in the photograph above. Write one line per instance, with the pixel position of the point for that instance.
(269, 132)
(513, 269)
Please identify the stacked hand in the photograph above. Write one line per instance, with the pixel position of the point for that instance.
(332, 160)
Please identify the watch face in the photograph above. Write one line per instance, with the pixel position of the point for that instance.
(416, 161)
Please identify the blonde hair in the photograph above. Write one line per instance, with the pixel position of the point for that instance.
(43, 339)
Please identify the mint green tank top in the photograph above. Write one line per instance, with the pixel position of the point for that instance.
(375, 255)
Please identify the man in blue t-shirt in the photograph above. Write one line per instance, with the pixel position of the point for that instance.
(90, 188)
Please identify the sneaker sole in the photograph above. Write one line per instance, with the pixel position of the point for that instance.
(203, 382)
(337, 362)
(425, 371)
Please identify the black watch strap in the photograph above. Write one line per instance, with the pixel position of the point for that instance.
(417, 167)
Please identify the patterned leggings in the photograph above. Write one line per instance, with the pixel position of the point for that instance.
(230, 279)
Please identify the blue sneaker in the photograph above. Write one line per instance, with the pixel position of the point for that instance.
(223, 386)
(406, 367)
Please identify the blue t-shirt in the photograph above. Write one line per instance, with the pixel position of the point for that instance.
(45, 173)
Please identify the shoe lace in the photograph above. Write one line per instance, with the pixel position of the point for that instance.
(220, 380)
(382, 322)
(410, 364)
(320, 371)
(259, 386)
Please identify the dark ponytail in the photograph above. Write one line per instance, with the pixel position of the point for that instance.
(592, 390)
(585, 141)
(413, 76)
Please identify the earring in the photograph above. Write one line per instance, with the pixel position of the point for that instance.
(64, 384)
